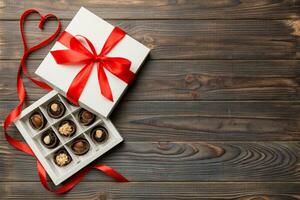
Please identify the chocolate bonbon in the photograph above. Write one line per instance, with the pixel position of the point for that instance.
(56, 109)
(66, 128)
(99, 134)
(49, 139)
(37, 120)
(80, 146)
(86, 117)
(62, 158)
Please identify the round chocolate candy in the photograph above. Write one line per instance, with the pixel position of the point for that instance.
(49, 139)
(37, 120)
(80, 146)
(86, 117)
(56, 109)
(67, 128)
(62, 158)
(99, 134)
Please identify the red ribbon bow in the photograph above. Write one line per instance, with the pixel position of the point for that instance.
(79, 54)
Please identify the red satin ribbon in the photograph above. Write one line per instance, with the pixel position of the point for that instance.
(22, 97)
(79, 54)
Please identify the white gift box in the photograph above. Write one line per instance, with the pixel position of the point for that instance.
(60, 77)
(97, 31)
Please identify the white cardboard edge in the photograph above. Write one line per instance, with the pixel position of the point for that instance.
(30, 141)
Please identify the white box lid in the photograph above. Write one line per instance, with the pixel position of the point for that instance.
(97, 30)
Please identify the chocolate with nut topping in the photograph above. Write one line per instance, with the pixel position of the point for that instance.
(62, 158)
(86, 117)
(80, 146)
(37, 120)
(56, 109)
(67, 128)
(99, 134)
(49, 139)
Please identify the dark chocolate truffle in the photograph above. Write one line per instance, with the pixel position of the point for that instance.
(80, 146)
(56, 109)
(62, 158)
(37, 120)
(99, 134)
(86, 117)
(67, 128)
(49, 139)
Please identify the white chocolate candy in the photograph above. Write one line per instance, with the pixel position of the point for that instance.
(54, 107)
(47, 139)
(99, 133)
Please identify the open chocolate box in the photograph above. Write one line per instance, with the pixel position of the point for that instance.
(61, 150)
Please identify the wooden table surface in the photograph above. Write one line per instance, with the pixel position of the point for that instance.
(213, 114)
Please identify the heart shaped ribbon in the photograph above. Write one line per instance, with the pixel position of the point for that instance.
(13, 115)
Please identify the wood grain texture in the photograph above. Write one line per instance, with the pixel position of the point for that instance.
(194, 121)
(186, 39)
(158, 190)
(180, 162)
(160, 9)
(161, 80)
(213, 114)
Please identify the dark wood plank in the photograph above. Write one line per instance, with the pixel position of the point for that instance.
(160, 9)
(159, 190)
(192, 80)
(187, 39)
(190, 121)
(179, 161)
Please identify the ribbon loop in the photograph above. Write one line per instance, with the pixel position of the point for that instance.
(79, 54)
(114, 38)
